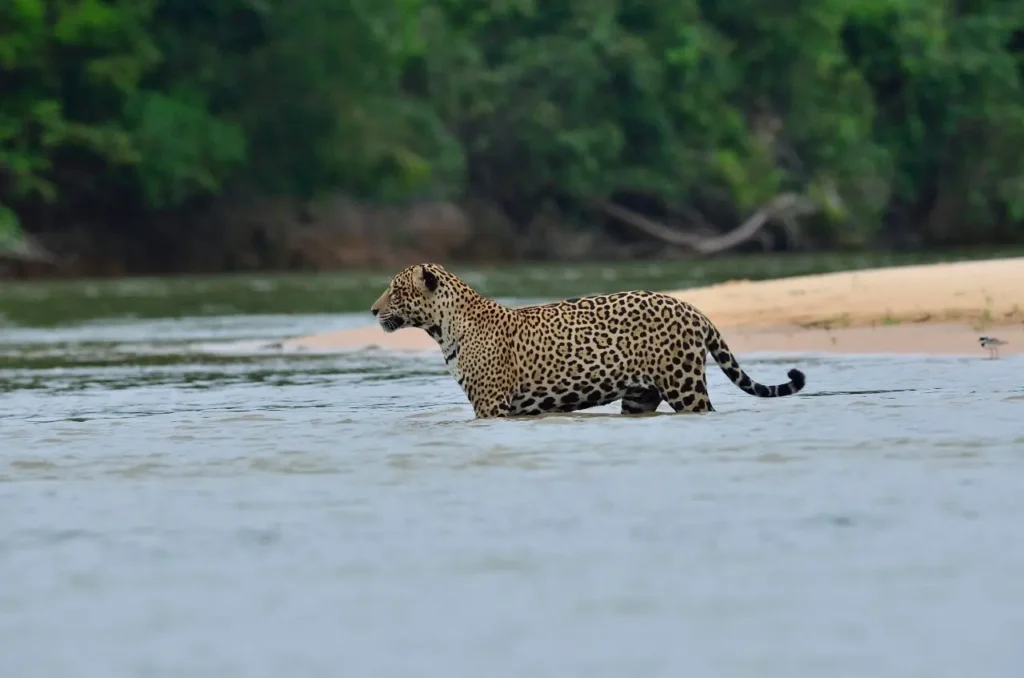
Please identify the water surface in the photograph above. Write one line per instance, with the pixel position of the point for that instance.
(179, 500)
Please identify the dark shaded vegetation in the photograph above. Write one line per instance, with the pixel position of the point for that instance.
(168, 135)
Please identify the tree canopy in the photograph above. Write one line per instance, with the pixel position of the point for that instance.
(893, 117)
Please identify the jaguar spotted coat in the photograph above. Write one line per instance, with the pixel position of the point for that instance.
(638, 347)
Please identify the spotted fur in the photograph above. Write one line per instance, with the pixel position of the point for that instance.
(638, 347)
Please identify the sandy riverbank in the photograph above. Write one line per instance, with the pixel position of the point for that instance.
(938, 308)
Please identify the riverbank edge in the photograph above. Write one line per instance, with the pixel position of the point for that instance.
(937, 309)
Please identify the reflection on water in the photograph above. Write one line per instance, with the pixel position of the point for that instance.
(177, 508)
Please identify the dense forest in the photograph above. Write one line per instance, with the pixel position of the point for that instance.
(153, 135)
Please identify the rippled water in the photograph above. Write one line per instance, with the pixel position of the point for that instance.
(177, 501)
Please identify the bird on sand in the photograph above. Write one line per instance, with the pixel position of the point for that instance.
(992, 345)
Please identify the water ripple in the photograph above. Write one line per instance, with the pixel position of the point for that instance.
(310, 512)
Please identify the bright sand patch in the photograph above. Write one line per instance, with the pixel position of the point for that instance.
(937, 308)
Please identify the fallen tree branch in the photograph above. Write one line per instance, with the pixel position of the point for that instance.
(786, 205)
(696, 222)
(25, 249)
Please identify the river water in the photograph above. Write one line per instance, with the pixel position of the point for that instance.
(178, 499)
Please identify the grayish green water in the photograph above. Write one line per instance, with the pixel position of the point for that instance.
(178, 500)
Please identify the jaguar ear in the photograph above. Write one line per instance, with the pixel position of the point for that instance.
(425, 280)
(429, 279)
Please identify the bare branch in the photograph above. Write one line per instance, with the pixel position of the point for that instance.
(786, 206)
(26, 249)
(651, 227)
(699, 225)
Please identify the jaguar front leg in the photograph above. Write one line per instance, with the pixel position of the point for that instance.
(490, 402)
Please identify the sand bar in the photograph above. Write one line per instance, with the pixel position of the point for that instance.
(936, 308)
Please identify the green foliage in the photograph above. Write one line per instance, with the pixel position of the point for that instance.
(10, 231)
(183, 149)
(907, 114)
(89, 52)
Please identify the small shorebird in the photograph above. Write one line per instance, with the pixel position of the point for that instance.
(992, 344)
